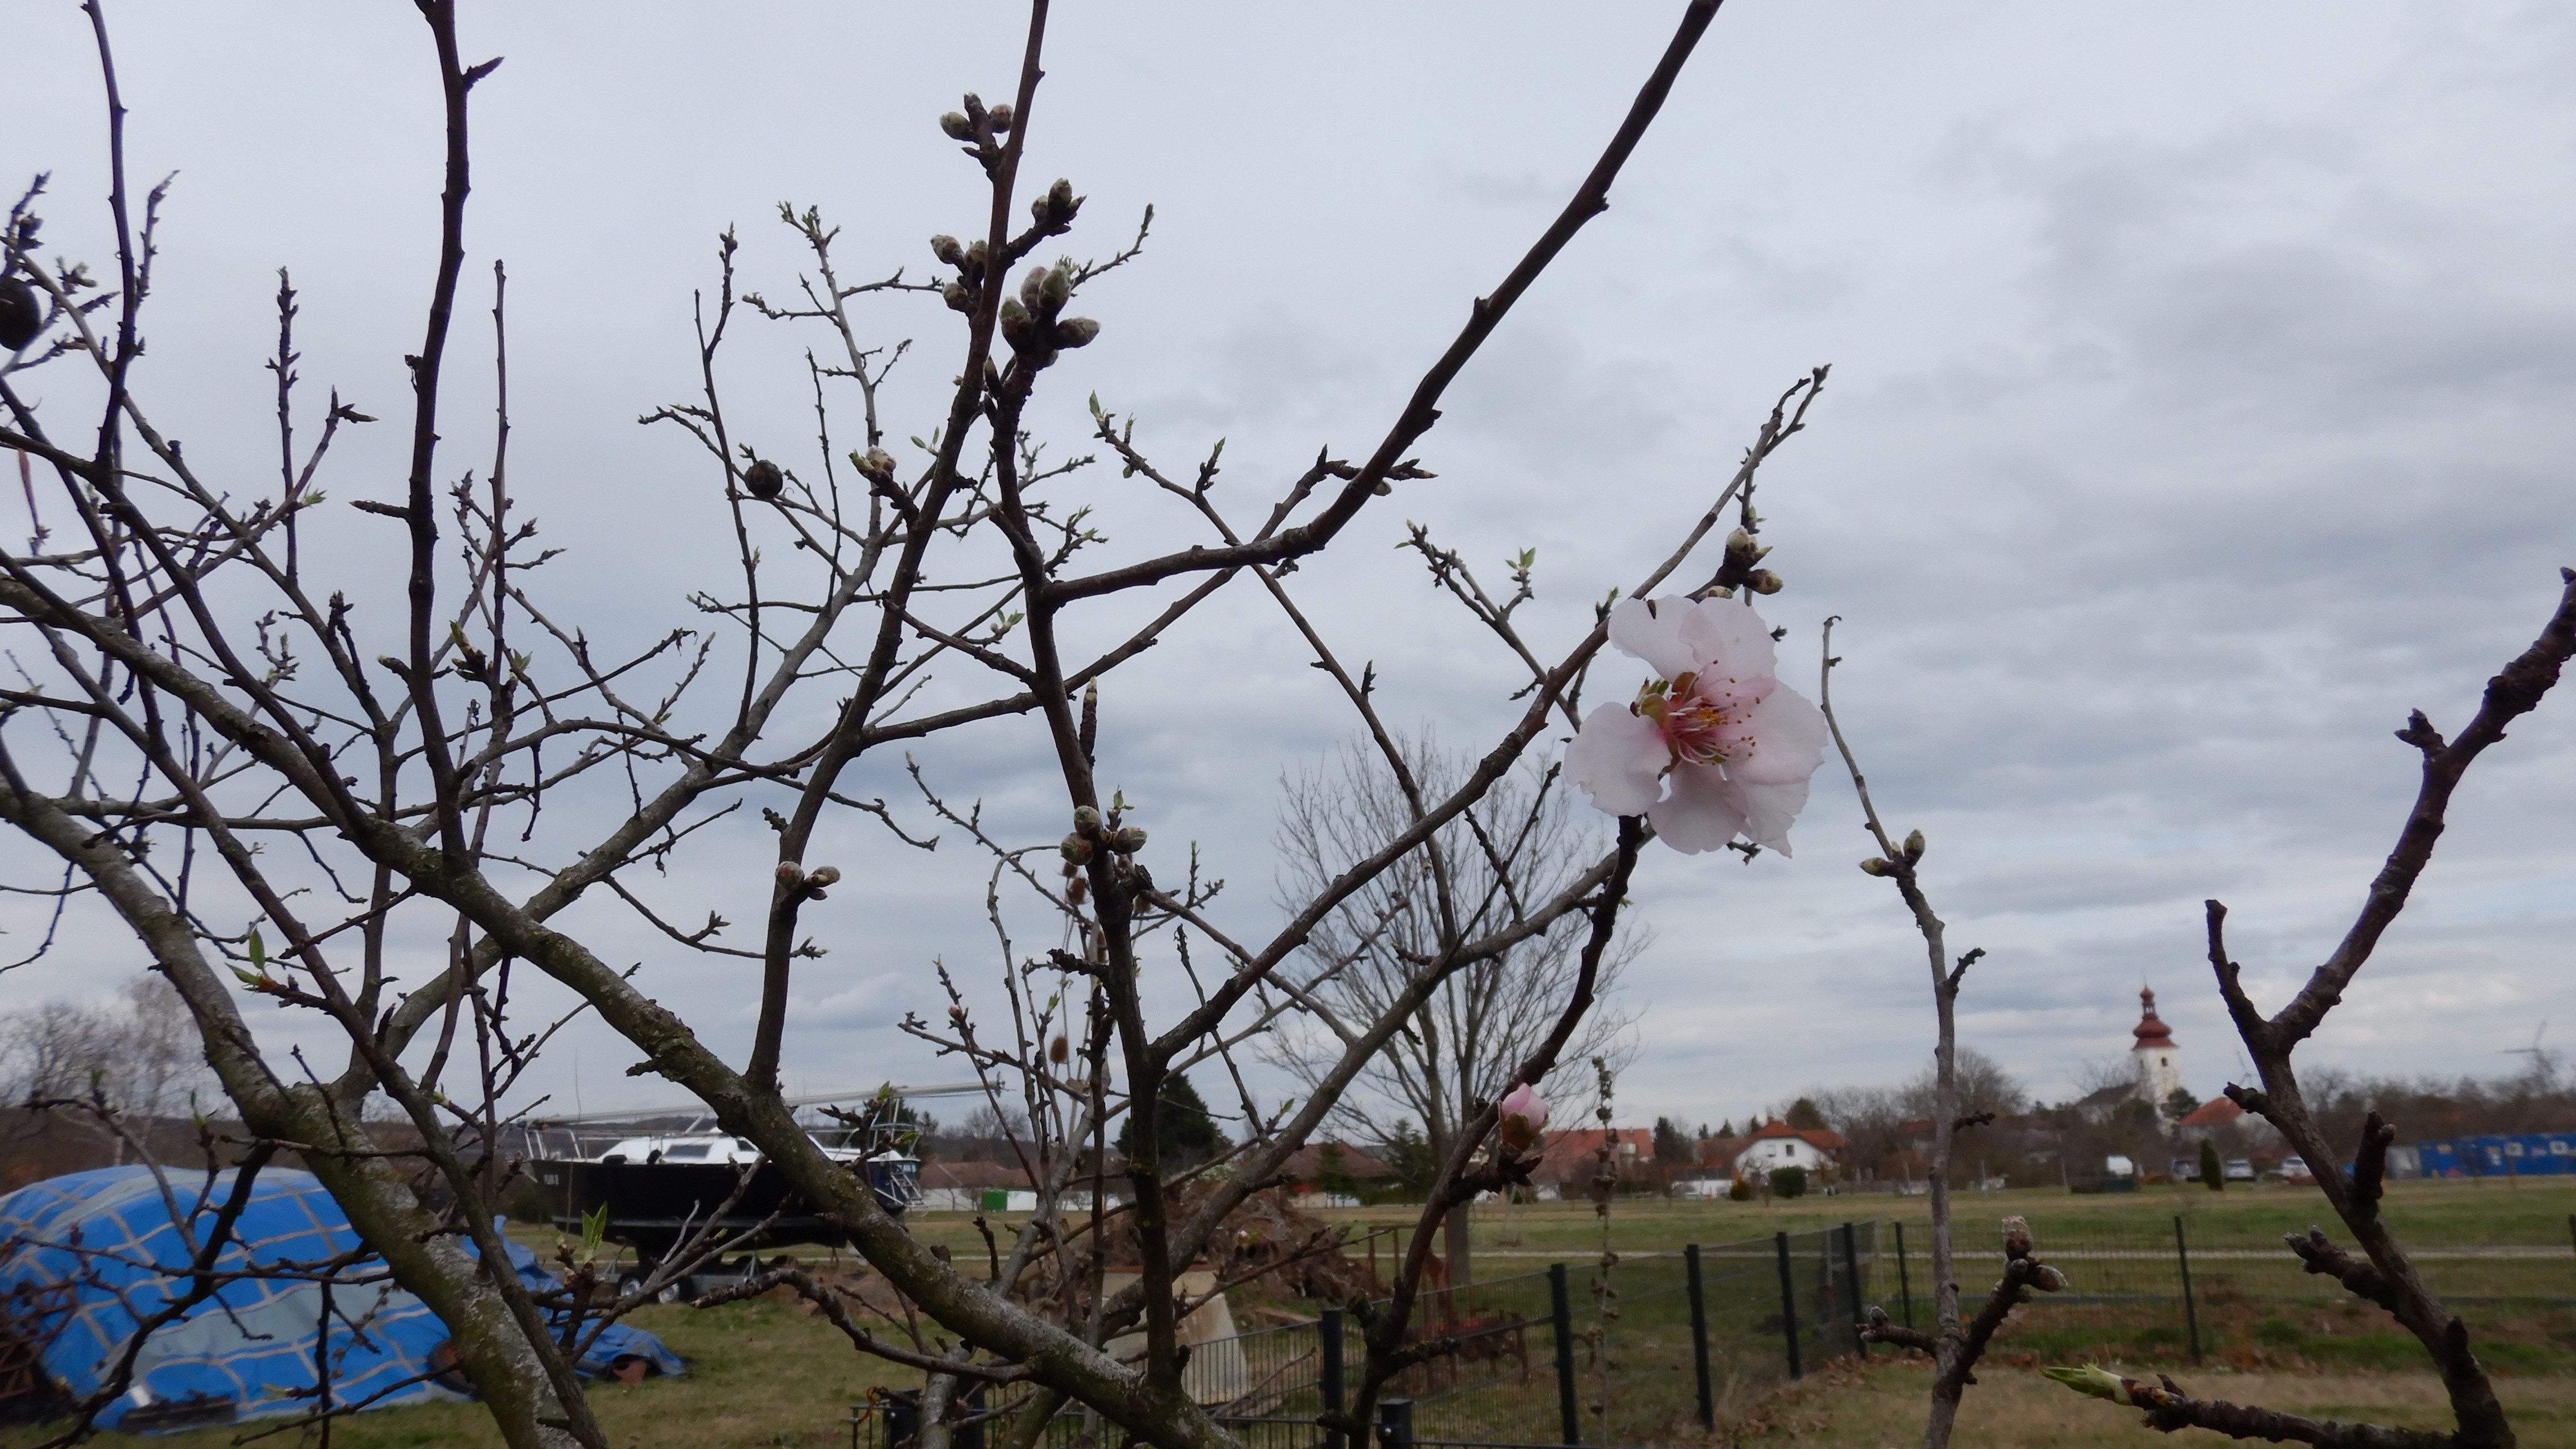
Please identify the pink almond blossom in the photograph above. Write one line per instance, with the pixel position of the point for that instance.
(1718, 747)
(1523, 1115)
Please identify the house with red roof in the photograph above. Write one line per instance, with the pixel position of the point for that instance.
(1569, 1160)
(1776, 1144)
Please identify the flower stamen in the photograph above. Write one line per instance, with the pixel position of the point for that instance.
(1693, 725)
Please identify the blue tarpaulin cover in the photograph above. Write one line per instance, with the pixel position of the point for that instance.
(99, 1251)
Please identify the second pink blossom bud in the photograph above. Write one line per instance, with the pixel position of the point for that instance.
(1524, 1116)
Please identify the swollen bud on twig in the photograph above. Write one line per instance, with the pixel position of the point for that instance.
(876, 464)
(1126, 840)
(21, 315)
(1033, 288)
(1077, 851)
(1521, 1115)
(1763, 581)
(1055, 208)
(1086, 817)
(818, 878)
(1017, 326)
(2016, 1237)
(1913, 846)
(1877, 866)
(790, 874)
(945, 247)
(1059, 1051)
(1001, 117)
(763, 479)
(1075, 332)
(1056, 285)
(957, 126)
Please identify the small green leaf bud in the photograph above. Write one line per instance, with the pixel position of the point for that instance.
(2101, 1383)
(1057, 285)
(1913, 846)
(1875, 866)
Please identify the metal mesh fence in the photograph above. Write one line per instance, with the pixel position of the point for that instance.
(1650, 1347)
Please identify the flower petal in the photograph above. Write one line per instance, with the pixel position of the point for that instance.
(1727, 638)
(1616, 758)
(1704, 812)
(1768, 811)
(1653, 632)
(1785, 738)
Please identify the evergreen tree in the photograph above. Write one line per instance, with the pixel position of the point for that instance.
(1804, 1116)
(2212, 1172)
(1184, 1134)
(2180, 1103)
(1671, 1144)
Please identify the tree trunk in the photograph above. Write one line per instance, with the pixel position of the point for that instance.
(1454, 1242)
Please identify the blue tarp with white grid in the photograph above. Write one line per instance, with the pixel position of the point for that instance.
(94, 1253)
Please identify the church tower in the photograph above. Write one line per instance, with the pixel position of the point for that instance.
(2159, 1061)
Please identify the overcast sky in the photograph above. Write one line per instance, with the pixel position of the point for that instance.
(2201, 403)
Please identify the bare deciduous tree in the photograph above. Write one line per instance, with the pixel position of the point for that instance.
(2381, 1273)
(1462, 1042)
(275, 773)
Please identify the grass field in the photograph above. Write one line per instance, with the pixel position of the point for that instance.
(770, 1374)
(2017, 1409)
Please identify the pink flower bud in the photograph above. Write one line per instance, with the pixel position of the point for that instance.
(1523, 1116)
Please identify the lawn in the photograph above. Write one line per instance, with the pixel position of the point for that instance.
(770, 1374)
(2017, 1409)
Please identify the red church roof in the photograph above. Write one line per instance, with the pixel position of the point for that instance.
(2215, 1112)
(2151, 1030)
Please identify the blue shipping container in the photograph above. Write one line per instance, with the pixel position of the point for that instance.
(2519, 1154)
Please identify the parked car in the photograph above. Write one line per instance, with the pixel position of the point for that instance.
(2295, 1169)
(2239, 1169)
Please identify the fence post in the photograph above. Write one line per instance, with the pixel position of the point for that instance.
(1395, 1423)
(1905, 1280)
(1788, 1303)
(1561, 1311)
(1699, 1338)
(1329, 1374)
(1851, 1275)
(2571, 1227)
(2190, 1310)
